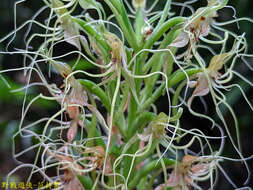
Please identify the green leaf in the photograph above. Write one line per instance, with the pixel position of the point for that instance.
(92, 4)
(91, 86)
(70, 28)
(180, 75)
(147, 169)
(98, 38)
(88, 4)
(86, 182)
(17, 97)
(82, 64)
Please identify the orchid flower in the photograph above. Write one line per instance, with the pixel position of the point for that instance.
(155, 129)
(71, 169)
(196, 26)
(202, 86)
(183, 176)
(75, 97)
(117, 47)
(71, 31)
(127, 141)
(139, 4)
(97, 158)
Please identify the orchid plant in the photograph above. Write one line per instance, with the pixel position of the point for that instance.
(108, 131)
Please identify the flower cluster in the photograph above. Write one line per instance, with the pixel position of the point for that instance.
(117, 131)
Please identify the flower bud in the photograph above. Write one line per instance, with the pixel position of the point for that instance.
(63, 68)
(139, 3)
(116, 46)
(146, 30)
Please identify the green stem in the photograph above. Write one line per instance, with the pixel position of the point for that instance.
(132, 108)
(119, 118)
(180, 75)
(93, 124)
(121, 125)
(156, 35)
(118, 9)
(91, 86)
(153, 178)
(177, 115)
(98, 141)
(161, 56)
(175, 98)
(141, 185)
(151, 81)
(165, 14)
(175, 78)
(143, 119)
(138, 71)
(148, 154)
(162, 164)
(128, 160)
(152, 98)
(147, 169)
(123, 102)
(166, 41)
(104, 47)
(85, 181)
(139, 23)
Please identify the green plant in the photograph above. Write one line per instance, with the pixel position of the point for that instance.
(124, 61)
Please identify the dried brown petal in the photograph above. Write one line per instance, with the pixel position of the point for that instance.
(73, 184)
(144, 137)
(175, 179)
(73, 111)
(202, 87)
(205, 29)
(181, 41)
(98, 158)
(199, 168)
(63, 68)
(78, 95)
(71, 33)
(192, 84)
(188, 159)
(217, 63)
(72, 132)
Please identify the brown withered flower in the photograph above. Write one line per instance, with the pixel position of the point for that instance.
(75, 98)
(97, 158)
(196, 26)
(184, 175)
(201, 85)
(71, 169)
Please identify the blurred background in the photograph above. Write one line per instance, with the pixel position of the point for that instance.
(11, 103)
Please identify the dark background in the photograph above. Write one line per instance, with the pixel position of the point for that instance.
(10, 104)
